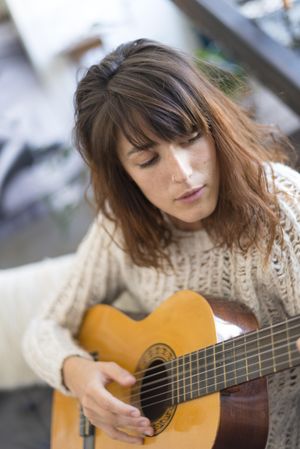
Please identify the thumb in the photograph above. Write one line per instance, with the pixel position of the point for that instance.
(115, 373)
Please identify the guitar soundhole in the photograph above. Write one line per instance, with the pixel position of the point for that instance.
(155, 391)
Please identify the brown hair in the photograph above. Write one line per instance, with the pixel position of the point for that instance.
(146, 83)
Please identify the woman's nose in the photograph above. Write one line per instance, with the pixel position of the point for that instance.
(180, 168)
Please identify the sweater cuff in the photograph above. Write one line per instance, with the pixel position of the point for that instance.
(61, 386)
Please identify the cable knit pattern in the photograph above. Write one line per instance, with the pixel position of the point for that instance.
(102, 271)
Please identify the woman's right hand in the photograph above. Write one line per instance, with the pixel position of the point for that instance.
(87, 380)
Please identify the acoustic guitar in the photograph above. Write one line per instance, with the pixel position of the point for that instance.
(200, 368)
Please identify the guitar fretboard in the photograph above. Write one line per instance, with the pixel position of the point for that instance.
(234, 361)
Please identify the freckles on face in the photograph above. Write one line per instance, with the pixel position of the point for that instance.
(181, 179)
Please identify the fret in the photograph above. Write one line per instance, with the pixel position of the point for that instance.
(224, 364)
(241, 371)
(274, 343)
(229, 362)
(184, 378)
(234, 362)
(259, 357)
(214, 367)
(173, 380)
(199, 374)
(187, 377)
(177, 381)
(265, 356)
(252, 355)
(280, 340)
(181, 388)
(272, 349)
(245, 357)
(293, 334)
(219, 367)
(202, 372)
(191, 375)
(205, 371)
(195, 377)
(210, 370)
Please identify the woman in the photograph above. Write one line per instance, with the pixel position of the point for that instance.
(191, 194)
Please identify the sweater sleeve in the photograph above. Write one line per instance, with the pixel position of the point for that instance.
(286, 260)
(94, 277)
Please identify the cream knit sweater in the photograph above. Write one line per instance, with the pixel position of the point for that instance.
(102, 271)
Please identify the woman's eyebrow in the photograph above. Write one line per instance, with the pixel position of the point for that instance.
(134, 150)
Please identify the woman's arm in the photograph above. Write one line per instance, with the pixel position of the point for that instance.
(94, 277)
(51, 350)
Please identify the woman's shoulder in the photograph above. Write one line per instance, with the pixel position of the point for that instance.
(285, 182)
(107, 227)
(103, 233)
(285, 179)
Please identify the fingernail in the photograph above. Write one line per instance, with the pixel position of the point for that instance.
(135, 413)
(149, 433)
(144, 422)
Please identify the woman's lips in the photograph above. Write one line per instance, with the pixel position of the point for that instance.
(191, 195)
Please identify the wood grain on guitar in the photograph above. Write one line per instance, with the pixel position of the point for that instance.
(200, 369)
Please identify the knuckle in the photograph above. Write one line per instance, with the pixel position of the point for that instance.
(112, 365)
(122, 421)
(114, 435)
(85, 402)
(105, 404)
(110, 431)
(88, 414)
(91, 419)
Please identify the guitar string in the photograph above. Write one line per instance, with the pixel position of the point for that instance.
(139, 374)
(237, 339)
(160, 402)
(223, 360)
(214, 367)
(137, 404)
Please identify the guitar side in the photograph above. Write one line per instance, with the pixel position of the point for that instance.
(185, 322)
(244, 418)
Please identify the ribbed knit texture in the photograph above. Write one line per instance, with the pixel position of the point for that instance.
(102, 271)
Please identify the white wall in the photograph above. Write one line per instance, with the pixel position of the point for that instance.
(156, 19)
(48, 27)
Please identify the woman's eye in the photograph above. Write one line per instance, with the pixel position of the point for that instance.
(193, 138)
(149, 162)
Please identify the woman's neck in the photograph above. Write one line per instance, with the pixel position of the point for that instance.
(184, 226)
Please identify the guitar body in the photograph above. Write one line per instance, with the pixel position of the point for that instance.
(233, 418)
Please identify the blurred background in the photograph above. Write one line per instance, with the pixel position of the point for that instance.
(44, 48)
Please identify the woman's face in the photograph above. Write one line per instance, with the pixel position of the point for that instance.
(180, 178)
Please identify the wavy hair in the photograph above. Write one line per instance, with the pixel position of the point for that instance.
(146, 87)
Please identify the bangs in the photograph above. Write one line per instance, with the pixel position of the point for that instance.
(154, 113)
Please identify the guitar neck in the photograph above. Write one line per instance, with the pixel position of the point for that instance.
(234, 361)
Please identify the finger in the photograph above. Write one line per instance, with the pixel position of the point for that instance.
(114, 372)
(111, 404)
(140, 425)
(117, 434)
(298, 344)
(121, 420)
